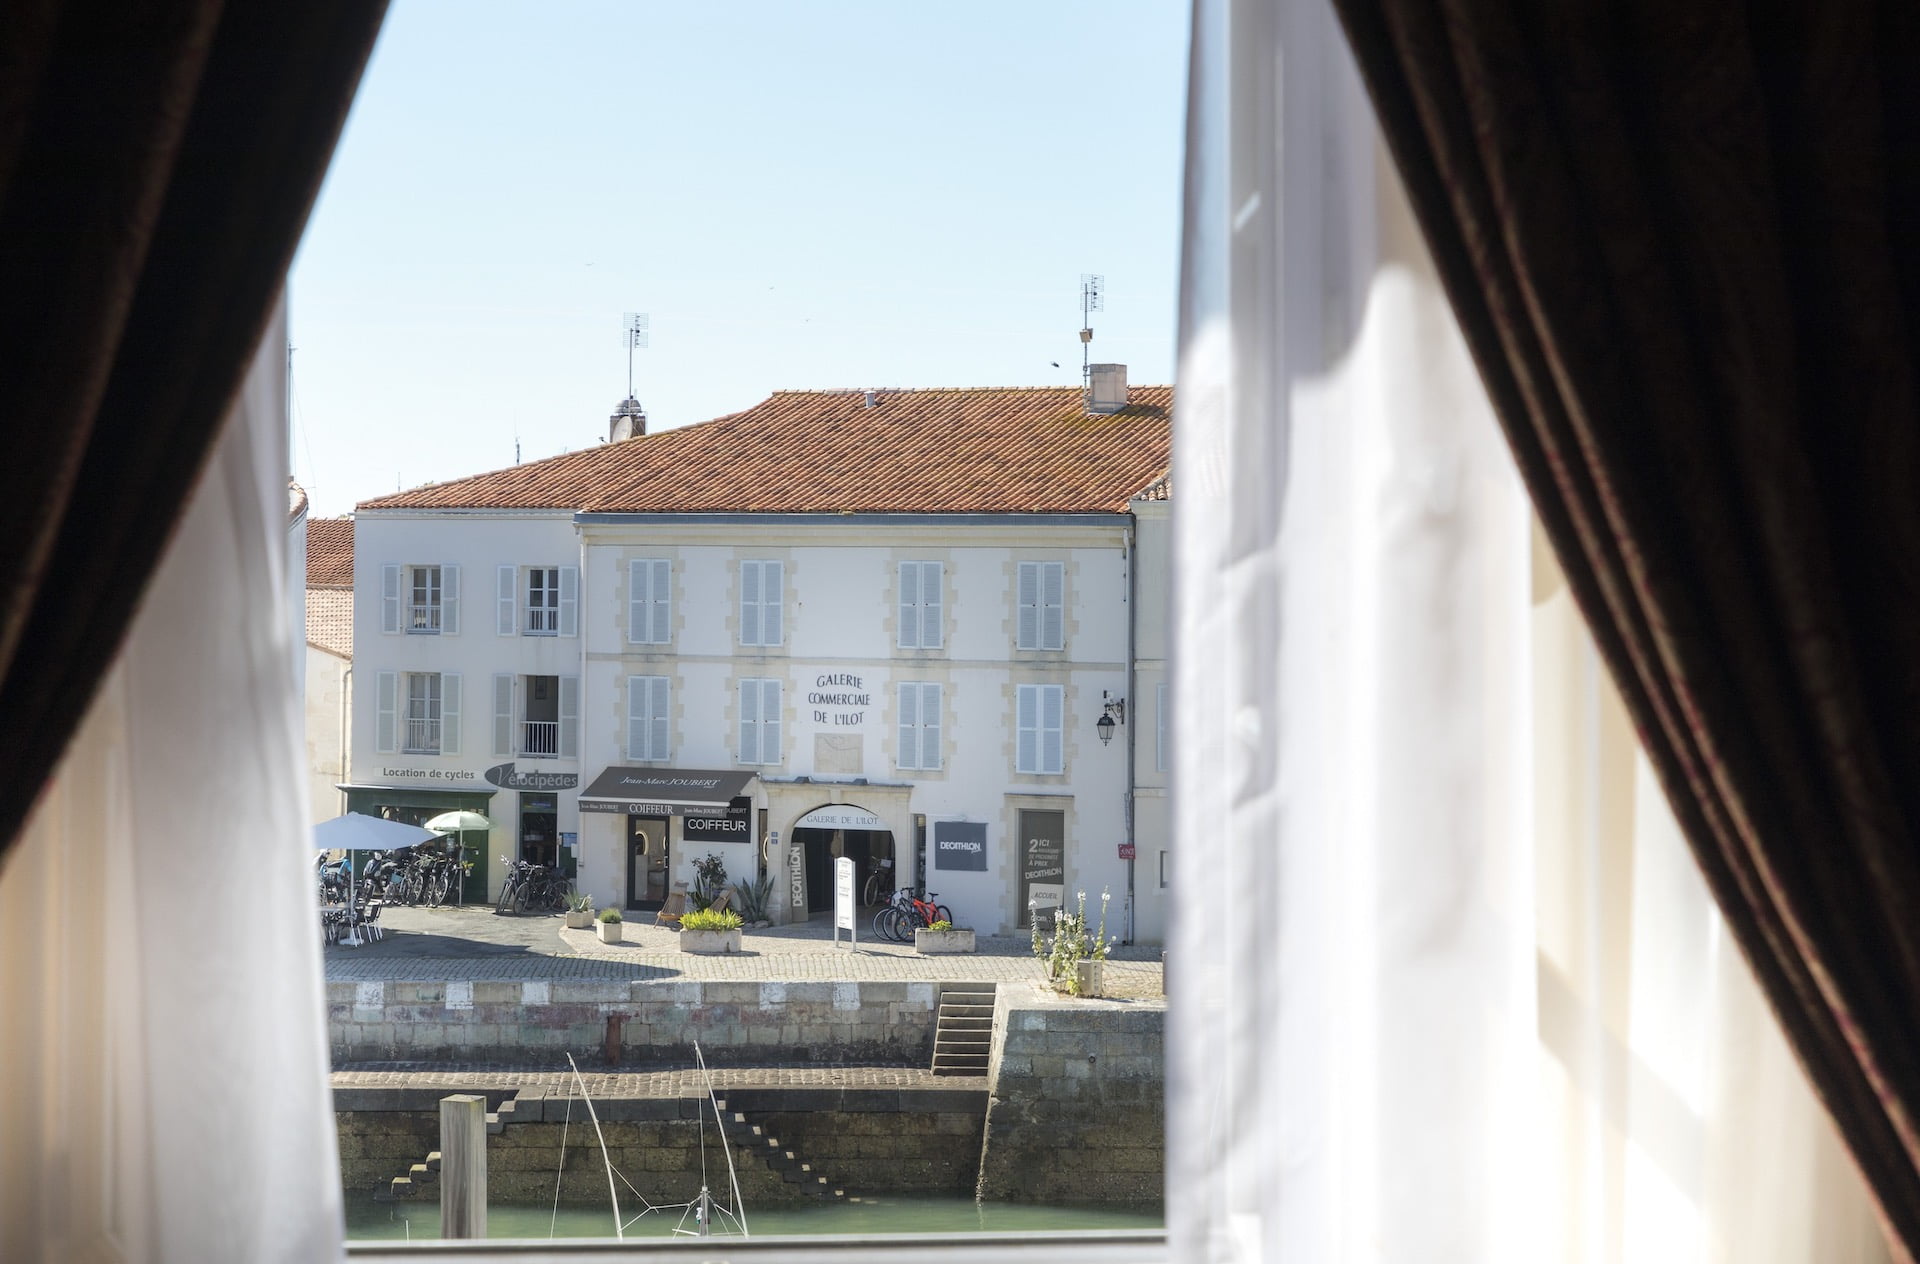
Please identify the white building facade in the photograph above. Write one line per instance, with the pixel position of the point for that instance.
(626, 690)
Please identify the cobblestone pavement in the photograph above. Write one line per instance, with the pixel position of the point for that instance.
(473, 944)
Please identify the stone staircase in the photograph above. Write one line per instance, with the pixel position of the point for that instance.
(424, 1175)
(963, 1036)
(757, 1137)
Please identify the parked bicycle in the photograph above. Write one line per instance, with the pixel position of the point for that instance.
(532, 888)
(911, 909)
(879, 888)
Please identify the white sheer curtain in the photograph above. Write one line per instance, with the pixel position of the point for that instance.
(161, 1013)
(1445, 984)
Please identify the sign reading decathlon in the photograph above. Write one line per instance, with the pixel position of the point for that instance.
(960, 845)
(507, 777)
(839, 700)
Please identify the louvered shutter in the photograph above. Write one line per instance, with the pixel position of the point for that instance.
(1027, 743)
(932, 621)
(750, 603)
(909, 736)
(636, 601)
(386, 712)
(659, 602)
(503, 715)
(569, 601)
(770, 719)
(1029, 606)
(1050, 735)
(659, 709)
(569, 717)
(636, 717)
(1053, 577)
(449, 599)
(450, 713)
(909, 607)
(929, 726)
(503, 617)
(772, 598)
(749, 721)
(390, 597)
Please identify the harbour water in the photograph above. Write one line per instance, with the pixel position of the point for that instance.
(368, 1219)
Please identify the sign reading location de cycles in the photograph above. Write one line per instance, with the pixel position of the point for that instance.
(960, 845)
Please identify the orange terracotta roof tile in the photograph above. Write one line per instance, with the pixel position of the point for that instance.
(330, 552)
(1014, 450)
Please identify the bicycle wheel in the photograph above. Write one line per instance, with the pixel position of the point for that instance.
(901, 926)
(941, 913)
(437, 892)
(507, 891)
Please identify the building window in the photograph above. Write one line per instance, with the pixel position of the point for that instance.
(761, 591)
(420, 600)
(423, 602)
(543, 600)
(919, 744)
(649, 601)
(1039, 746)
(760, 720)
(420, 734)
(1043, 589)
(648, 699)
(921, 624)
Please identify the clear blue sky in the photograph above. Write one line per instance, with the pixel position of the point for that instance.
(800, 196)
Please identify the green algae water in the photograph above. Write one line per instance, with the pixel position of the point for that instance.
(369, 1220)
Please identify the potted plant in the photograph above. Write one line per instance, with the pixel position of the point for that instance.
(579, 911)
(942, 937)
(611, 931)
(1075, 961)
(710, 931)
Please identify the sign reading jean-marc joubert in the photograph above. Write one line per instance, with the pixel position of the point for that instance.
(959, 845)
(664, 791)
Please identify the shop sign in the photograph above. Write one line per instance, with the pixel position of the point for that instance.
(1126, 851)
(797, 876)
(507, 777)
(730, 827)
(840, 816)
(1043, 864)
(839, 700)
(960, 845)
(439, 776)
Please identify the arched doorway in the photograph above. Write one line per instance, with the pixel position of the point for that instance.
(835, 830)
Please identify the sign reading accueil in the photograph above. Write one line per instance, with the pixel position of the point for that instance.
(960, 845)
(1043, 865)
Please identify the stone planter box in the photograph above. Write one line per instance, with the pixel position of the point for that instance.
(710, 942)
(580, 921)
(612, 932)
(935, 942)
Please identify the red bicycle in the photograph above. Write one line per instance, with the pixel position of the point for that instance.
(907, 912)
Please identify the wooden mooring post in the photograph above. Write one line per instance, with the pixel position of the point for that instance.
(463, 1166)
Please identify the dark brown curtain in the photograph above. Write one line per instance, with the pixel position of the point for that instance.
(1684, 243)
(157, 163)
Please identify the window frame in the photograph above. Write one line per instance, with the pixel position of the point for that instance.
(538, 611)
(431, 580)
(761, 722)
(656, 716)
(928, 617)
(761, 605)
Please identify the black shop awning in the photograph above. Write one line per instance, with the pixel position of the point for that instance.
(664, 791)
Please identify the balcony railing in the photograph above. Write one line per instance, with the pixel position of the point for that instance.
(422, 737)
(424, 619)
(540, 739)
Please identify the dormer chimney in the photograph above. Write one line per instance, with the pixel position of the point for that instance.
(871, 399)
(1107, 388)
(629, 421)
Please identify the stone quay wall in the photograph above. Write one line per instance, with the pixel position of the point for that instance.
(864, 1141)
(736, 1023)
(1075, 1107)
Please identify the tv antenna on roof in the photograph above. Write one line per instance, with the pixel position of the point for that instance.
(1093, 298)
(634, 334)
